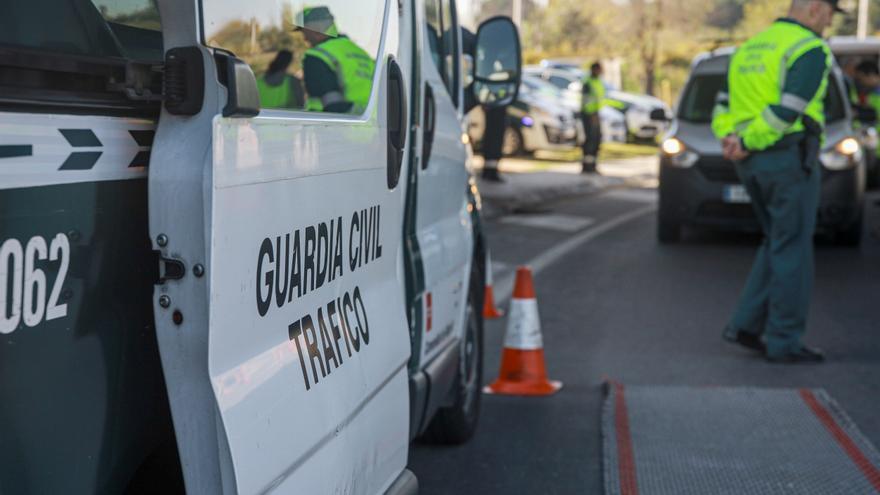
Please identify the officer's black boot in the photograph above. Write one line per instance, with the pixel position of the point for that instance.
(589, 165)
(491, 173)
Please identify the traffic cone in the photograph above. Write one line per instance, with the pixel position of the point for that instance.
(523, 371)
(490, 311)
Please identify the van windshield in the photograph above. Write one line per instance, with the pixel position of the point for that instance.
(699, 99)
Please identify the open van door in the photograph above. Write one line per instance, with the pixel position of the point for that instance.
(280, 312)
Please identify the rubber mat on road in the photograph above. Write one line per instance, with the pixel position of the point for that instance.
(737, 441)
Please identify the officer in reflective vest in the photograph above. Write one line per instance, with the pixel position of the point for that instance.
(770, 119)
(338, 73)
(593, 99)
(277, 88)
(866, 90)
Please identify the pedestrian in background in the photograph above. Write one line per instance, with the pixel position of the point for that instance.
(771, 118)
(593, 99)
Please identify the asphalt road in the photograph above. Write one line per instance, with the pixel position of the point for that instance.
(621, 306)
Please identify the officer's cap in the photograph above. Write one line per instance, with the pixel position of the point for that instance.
(836, 5)
(318, 19)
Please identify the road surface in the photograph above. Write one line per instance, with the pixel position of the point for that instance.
(616, 304)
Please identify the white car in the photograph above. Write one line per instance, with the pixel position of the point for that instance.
(202, 293)
(537, 121)
(569, 86)
(647, 117)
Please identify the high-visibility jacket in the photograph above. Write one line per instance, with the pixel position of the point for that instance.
(593, 95)
(280, 96)
(756, 83)
(354, 72)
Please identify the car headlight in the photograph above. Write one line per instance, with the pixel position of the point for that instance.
(677, 154)
(844, 155)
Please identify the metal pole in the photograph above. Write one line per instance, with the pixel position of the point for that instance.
(863, 19)
(517, 13)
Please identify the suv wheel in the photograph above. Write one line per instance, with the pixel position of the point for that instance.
(850, 236)
(456, 424)
(668, 231)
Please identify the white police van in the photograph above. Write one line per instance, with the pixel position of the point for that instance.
(202, 293)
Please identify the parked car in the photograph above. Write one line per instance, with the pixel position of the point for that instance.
(568, 85)
(643, 114)
(202, 291)
(538, 121)
(700, 188)
(568, 66)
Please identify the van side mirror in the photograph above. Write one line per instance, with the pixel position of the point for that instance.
(497, 63)
(243, 98)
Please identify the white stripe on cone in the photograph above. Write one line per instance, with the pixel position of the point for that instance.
(523, 326)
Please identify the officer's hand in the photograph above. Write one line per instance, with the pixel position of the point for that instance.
(733, 149)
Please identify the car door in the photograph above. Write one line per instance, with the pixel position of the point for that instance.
(280, 317)
(443, 225)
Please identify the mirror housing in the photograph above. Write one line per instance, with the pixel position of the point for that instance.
(659, 114)
(865, 115)
(243, 97)
(497, 63)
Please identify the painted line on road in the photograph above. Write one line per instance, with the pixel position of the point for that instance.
(504, 288)
(562, 223)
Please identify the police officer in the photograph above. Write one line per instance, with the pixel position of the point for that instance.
(772, 126)
(277, 88)
(867, 85)
(338, 73)
(593, 96)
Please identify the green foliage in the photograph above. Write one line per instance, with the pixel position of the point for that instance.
(655, 39)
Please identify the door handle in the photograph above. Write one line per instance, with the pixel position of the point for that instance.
(396, 122)
(430, 125)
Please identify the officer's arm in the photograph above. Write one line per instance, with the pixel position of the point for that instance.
(722, 123)
(802, 82)
(322, 83)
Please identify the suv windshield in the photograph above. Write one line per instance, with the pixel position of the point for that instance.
(699, 99)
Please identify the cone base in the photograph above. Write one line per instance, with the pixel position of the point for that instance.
(523, 373)
(490, 312)
(529, 389)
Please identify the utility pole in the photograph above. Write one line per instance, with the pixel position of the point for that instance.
(863, 19)
(518, 14)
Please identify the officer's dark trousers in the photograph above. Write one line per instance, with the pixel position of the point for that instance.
(593, 131)
(776, 298)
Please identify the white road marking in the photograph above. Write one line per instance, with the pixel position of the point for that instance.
(562, 223)
(504, 288)
(634, 195)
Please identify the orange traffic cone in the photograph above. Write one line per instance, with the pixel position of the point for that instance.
(490, 311)
(523, 371)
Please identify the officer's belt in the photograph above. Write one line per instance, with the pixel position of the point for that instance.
(787, 142)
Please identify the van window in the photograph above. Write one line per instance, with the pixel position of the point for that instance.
(81, 56)
(441, 26)
(699, 99)
(100, 28)
(307, 56)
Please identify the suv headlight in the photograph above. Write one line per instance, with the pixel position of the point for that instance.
(847, 153)
(677, 154)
